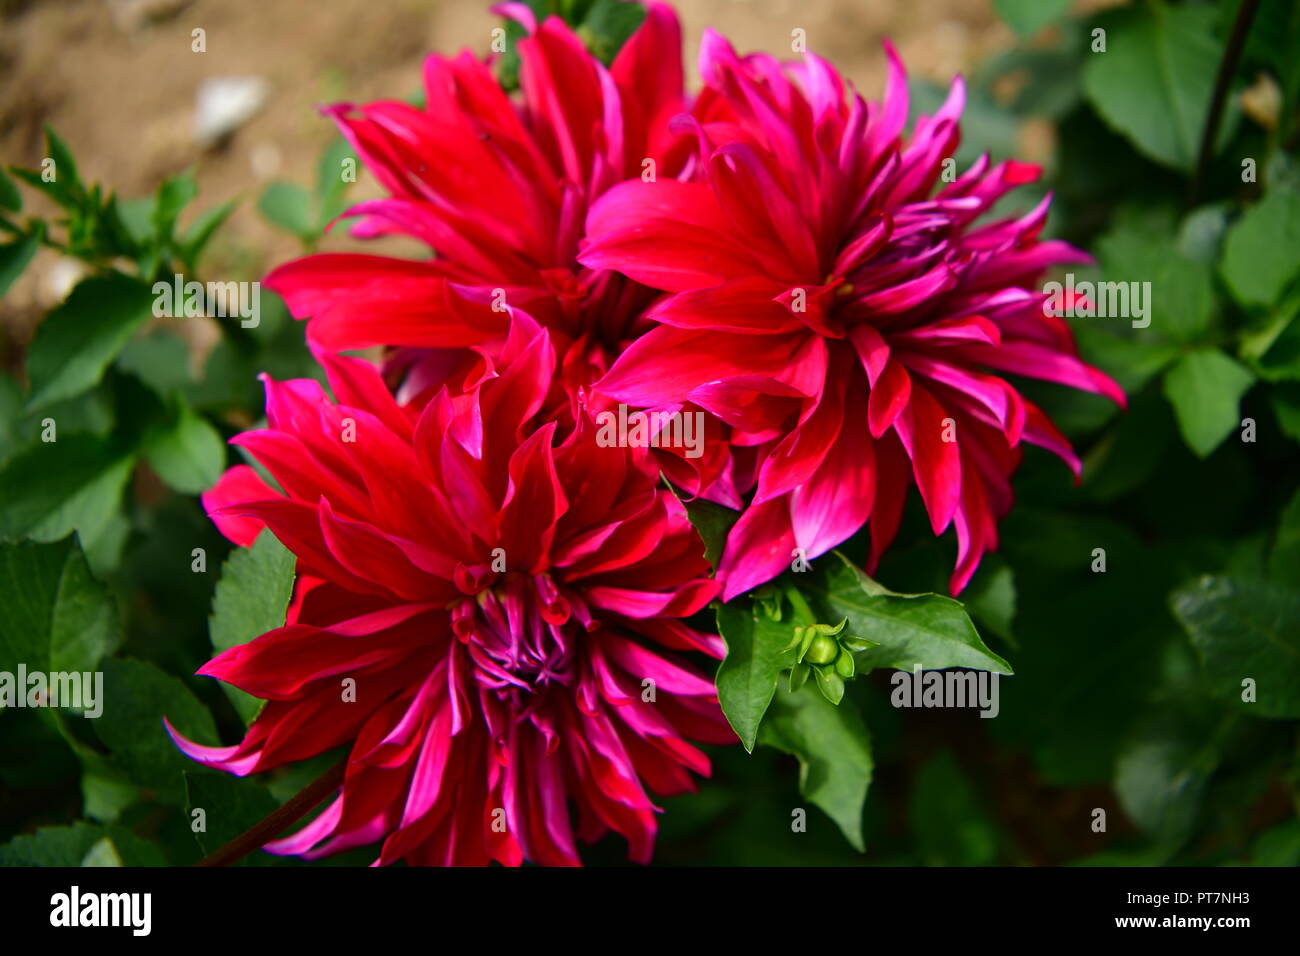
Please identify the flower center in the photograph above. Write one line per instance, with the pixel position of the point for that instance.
(520, 632)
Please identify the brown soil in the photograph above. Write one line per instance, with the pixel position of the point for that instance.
(118, 79)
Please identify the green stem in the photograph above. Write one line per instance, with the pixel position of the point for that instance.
(280, 820)
(1227, 68)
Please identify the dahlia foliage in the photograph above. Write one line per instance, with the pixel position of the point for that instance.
(508, 592)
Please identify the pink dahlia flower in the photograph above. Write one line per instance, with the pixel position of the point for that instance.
(498, 190)
(850, 323)
(500, 593)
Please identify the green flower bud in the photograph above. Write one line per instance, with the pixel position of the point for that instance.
(823, 650)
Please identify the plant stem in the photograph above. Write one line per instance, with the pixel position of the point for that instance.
(276, 822)
(1227, 68)
(801, 608)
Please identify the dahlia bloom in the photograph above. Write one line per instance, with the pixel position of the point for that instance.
(498, 191)
(500, 592)
(847, 321)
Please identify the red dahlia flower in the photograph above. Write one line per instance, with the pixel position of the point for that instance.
(498, 190)
(500, 594)
(847, 321)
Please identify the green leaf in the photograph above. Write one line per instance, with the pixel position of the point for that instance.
(1278, 846)
(66, 188)
(187, 452)
(1078, 691)
(992, 598)
(133, 850)
(134, 219)
(84, 624)
(103, 798)
(603, 25)
(90, 413)
(102, 853)
(55, 616)
(78, 340)
(1273, 41)
(1129, 360)
(757, 653)
(65, 168)
(137, 696)
(11, 403)
(929, 631)
(1284, 561)
(173, 195)
(1285, 400)
(1259, 256)
(288, 206)
(1027, 17)
(230, 805)
(1182, 299)
(10, 197)
(52, 846)
(14, 257)
(1129, 453)
(609, 24)
(1162, 773)
(1154, 82)
(251, 598)
(713, 523)
(1245, 629)
(1205, 388)
(74, 484)
(1201, 233)
(834, 752)
(1273, 347)
(331, 187)
(201, 231)
(159, 360)
(80, 845)
(950, 826)
(1181, 302)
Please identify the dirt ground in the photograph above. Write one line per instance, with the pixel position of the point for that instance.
(118, 80)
